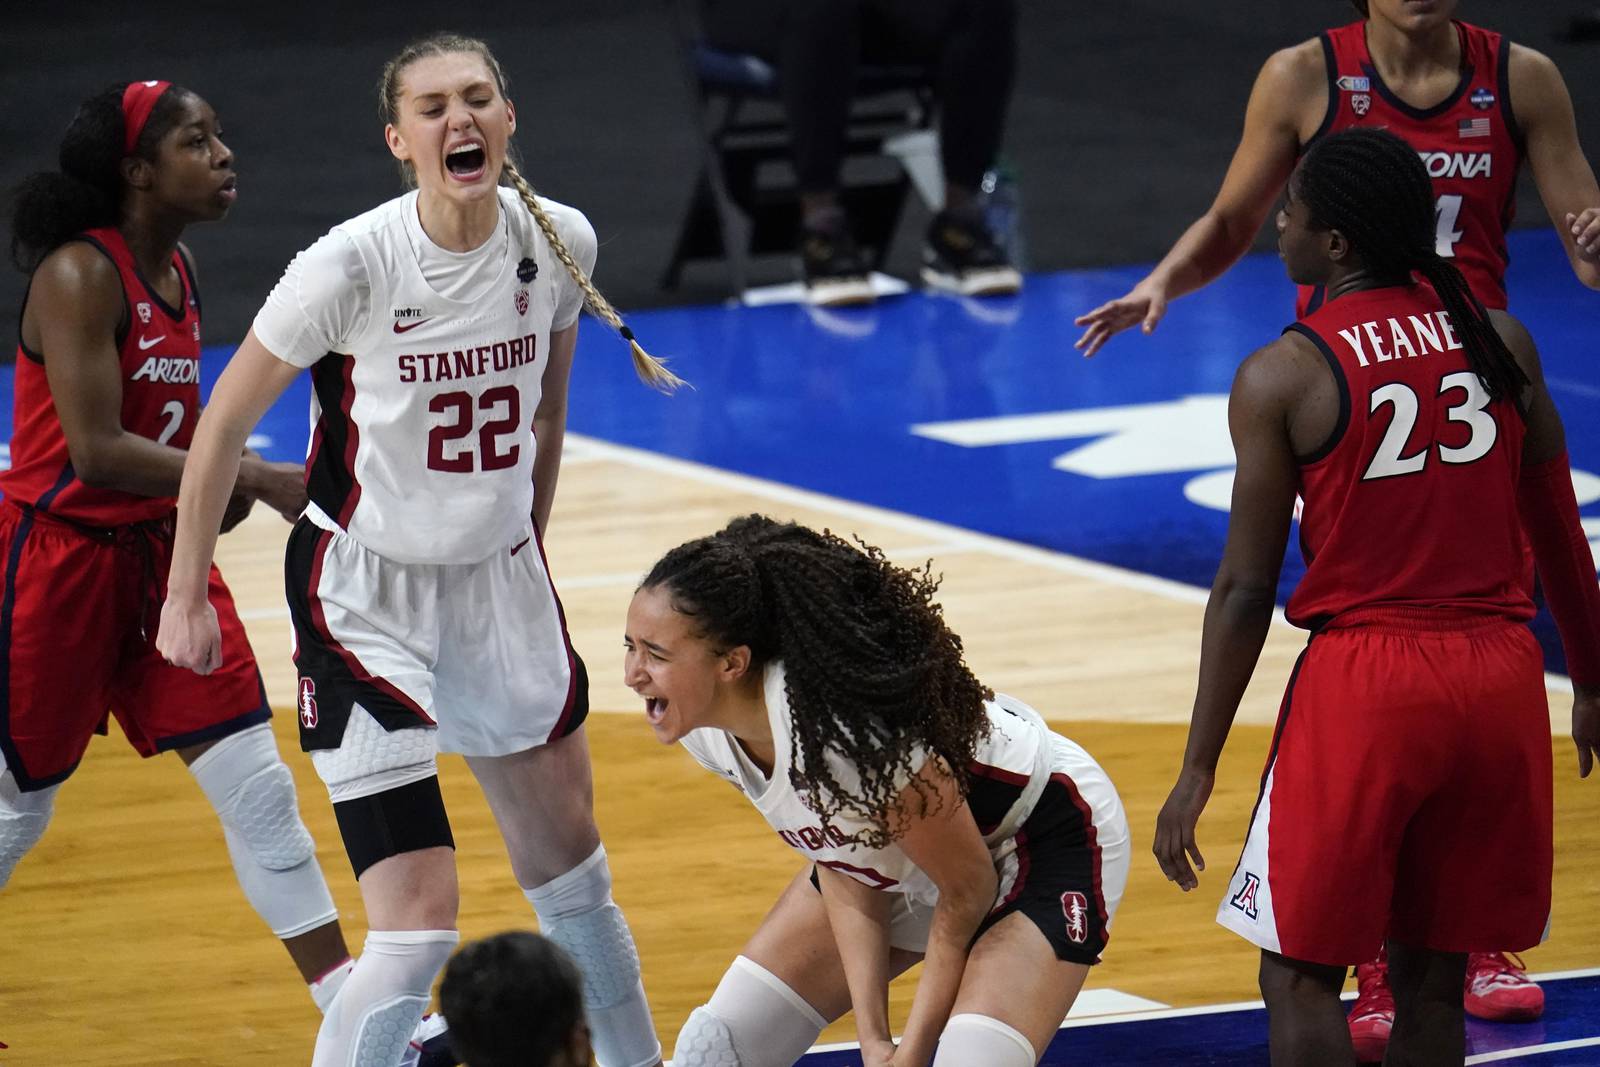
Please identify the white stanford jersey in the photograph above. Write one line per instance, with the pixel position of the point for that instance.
(422, 409)
(1010, 770)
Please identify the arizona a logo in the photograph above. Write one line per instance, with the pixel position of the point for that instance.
(1245, 898)
(1360, 103)
(308, 703)
(1075, 907)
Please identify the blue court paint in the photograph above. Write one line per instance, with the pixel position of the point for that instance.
(827, 401)
(1238, 1038)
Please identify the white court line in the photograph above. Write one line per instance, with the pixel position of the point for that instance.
(1533, 1050)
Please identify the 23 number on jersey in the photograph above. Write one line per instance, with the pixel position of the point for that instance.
(1388, 461)
(501, 409)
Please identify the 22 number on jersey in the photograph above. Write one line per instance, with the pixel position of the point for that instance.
(450, 445)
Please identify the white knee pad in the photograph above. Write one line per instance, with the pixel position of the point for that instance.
(23, 817)
(272, 851)
(371, 1021)
(970, 1039)
(576, 911)
(752, 1020)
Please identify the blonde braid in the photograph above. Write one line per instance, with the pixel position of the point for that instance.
(653, 372)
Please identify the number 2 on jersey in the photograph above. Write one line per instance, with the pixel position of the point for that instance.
(503, 405)
(1388, 462)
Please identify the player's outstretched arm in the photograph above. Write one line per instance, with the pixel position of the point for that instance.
(253, 379)
(1243, 595)
(1549, 511)
(1566, 182)
(1291, 83)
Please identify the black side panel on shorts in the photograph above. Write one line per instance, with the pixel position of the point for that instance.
(330, 482)
(328, 685)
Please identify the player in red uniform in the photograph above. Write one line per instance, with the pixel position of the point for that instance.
(1474, 106)
(1416, 427)
(1471, 102)
(107, 396)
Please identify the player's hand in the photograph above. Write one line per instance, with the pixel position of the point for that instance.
(1143, 305)
(879, 1053)
(189, 636)
(1586, 726)
(1585, 230)
(239, 505)
(1175, 845)
(280, 486)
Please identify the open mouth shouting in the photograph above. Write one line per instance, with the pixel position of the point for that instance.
(466, 161)
(655, 709)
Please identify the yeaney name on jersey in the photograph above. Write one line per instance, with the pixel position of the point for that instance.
(1386, 339)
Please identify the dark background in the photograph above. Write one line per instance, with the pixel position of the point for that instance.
(1124, 118)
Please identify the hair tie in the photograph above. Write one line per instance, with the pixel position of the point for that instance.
(138, 100)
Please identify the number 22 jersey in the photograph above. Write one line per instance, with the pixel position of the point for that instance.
(426, 369)
(1412, 501)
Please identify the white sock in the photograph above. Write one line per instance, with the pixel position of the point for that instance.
(324, 989)
(372, 1019)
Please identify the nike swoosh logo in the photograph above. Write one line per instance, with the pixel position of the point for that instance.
(521, 545)
(403, 327)
(147, 343)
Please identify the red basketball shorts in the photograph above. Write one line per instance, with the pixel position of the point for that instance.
(78, 616)
(1408, 795)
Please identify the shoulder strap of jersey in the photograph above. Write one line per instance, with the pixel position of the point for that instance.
(186, 268)
(90, 238)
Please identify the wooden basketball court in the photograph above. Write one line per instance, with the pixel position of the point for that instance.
(127, 944)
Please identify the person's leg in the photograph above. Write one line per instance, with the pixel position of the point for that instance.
(411, 900)
(786, 984)
(998, 1020)
(1429, 1021)
(1305, 1020)
(273, 855)
(970, 47)
(543, 802)
(23, 817)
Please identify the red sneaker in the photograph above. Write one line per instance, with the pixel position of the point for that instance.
(1372, 1015)
(1498, 989)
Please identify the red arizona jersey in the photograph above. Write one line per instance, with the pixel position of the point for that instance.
(159, 347)
(1469, 142)
(1412, 502)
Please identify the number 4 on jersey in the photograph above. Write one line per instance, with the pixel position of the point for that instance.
(1446, 211)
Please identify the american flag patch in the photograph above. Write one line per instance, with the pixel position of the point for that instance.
(1478, 127)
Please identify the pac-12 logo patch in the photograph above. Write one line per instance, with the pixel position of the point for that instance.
(1075, 907)
(308, 703)
(143, 309)
(1360, 103)
(1245, 898)
(522, 301)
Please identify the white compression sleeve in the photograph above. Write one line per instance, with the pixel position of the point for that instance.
(272, 852)
(23, 817)
(576, 911)
(969, 1039)
(752, 1020)
(372, 1019)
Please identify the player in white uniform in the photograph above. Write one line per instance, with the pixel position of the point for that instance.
(439, 328)
(942, 822)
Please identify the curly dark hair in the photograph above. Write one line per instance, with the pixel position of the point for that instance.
(51, 206)
(514, 999)
(872, 671)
